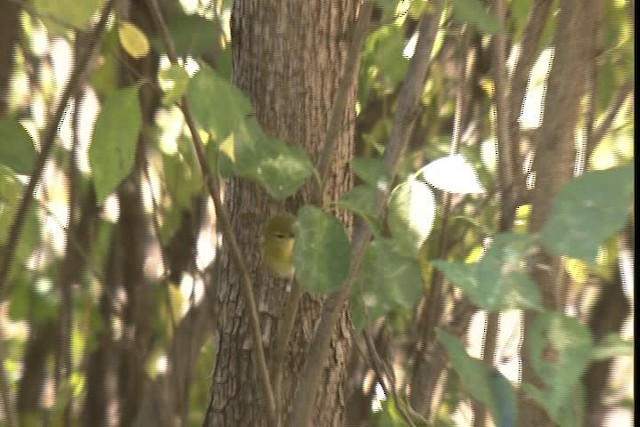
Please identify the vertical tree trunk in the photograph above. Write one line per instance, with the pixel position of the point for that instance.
(554, 160)
(288, 58)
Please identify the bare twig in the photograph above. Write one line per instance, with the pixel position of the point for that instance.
(429, 312)
(211, 182)
(285, 330)
(508, 169)
(404, 120)
(48, 141)
(383, 373)
(599, 132)
(527, 57)
(508, 158)
(337, 112)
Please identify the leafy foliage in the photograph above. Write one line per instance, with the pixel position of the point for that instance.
(16, 151)
(322, 252)
(410, 232)
(587, 211)
(485, 384)
(115, 137)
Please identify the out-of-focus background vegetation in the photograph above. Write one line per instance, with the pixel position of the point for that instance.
(76, 340)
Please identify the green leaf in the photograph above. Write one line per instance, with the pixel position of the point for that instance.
(473, 374)
(372, 171)
(62, 15)
(11, 193)
(387, 56)
(280, 168)
(361, 200)
(412, 211)
(474, 12)
(34, 301)
(322, 254)
(500, 273)
(496, 282)
(176, 79)
(366, 307)
(560, 350)
(612, 346)
(114, 142)
(506, 408)
(218, 105)
(192, 35)
(465, 277)
(16, 147)
(391, 276)
(283, 170)
(587, 211)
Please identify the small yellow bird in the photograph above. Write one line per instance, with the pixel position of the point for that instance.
(276, 246)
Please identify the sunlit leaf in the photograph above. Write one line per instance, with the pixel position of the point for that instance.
(412, 211)
(322, 253)
(133, 40)
(453, 174)
(114, 142)
(11, 193)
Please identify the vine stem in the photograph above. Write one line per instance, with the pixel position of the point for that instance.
(213, 187)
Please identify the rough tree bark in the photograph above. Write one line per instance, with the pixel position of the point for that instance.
(287, 57)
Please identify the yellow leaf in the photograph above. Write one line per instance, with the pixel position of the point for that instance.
(228, 148)
(578, 270)
(133, 40)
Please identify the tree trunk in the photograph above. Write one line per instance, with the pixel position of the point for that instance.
(288, 58)
(553, 164)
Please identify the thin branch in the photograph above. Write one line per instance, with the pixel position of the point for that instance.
(508, 170)
(340, 102)
(382, 372)
(507, 156)
(527, 57)
(212, 184)
(48, 141)
(404, 120)
(599, 133)
(429, 312)
(285, 329)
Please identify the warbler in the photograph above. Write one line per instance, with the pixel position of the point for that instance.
(276, 246)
